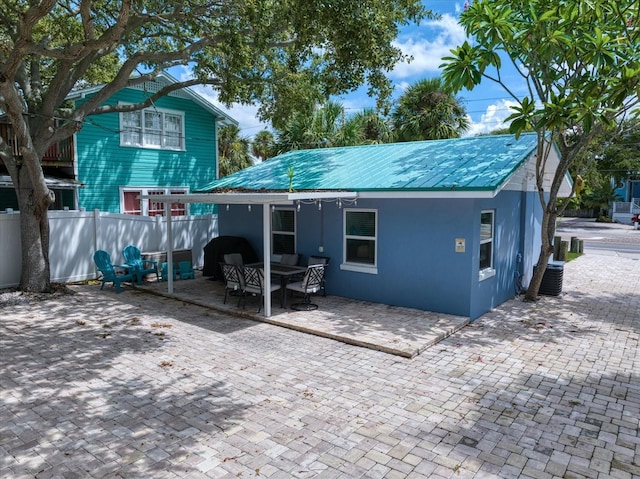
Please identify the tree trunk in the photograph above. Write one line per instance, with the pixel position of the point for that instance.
(34, 236)
(567, 153)
(546, 250)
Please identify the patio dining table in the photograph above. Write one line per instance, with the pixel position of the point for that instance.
(284, 272)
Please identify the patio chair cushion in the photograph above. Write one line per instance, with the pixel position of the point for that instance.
(289, 259)
(233, 258)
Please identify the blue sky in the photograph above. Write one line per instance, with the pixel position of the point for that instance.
(487, 105)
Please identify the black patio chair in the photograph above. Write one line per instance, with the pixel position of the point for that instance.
(311, 283)
(233, 280)
(254, 285)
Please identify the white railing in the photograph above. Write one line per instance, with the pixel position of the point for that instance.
(621, 207)
(76, 235)
(623, 211)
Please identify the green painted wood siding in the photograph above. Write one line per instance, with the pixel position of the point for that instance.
(104, 166)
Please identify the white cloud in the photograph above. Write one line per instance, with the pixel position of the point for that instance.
(402, 86)
(245, 115)
(427, 53)
(493, 118)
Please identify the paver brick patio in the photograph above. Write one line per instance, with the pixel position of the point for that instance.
(134, 385)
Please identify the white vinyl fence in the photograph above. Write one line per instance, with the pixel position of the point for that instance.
(76, 235)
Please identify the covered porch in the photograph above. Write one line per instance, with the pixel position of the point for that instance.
(267, 201)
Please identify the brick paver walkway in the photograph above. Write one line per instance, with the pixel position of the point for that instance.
(136, 386)
(402, 331)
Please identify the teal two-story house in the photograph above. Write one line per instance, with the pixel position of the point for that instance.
(167, 148)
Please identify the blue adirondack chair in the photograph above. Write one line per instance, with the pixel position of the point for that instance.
(112, 273)
(164, 272)
(140, 267)
(186, 270)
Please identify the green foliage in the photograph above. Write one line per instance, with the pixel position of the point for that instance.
(621, 152)
(578, 59)
(601, 198)
(612, 155)
(286, 55)
(321, 128)
(372, 127)
(233, 151)
(328, 126)
(579, 65)
(571, 256)
(262, 145)
(428, 111)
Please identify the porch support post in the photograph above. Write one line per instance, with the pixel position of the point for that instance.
(167, 212)
(266, 242)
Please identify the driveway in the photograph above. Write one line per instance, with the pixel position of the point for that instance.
(134, 385)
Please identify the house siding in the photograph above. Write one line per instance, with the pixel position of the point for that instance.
(507, 242)
(417, 262)
(104, 166)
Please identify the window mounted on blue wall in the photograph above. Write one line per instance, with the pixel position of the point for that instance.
(283, 231)
(360, 240)
(486, 244)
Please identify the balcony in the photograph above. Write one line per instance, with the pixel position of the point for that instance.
(60, 154)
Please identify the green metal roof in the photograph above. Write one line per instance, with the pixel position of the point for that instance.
(481, 163)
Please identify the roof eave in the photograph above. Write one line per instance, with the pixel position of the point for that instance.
(251, 198)
(221, 116)
(431, 193)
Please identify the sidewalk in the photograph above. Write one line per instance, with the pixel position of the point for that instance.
(136, 385)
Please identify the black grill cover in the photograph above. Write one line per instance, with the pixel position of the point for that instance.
(215, 250)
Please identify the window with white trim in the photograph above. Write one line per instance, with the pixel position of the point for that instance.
(360, 239)
(132, 205)
(152, 128)
(486, 243)
(283, 231)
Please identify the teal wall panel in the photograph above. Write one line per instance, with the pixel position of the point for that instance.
(104, 166)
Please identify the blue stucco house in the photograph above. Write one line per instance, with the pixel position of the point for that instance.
(167, 148)
(449, 226)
